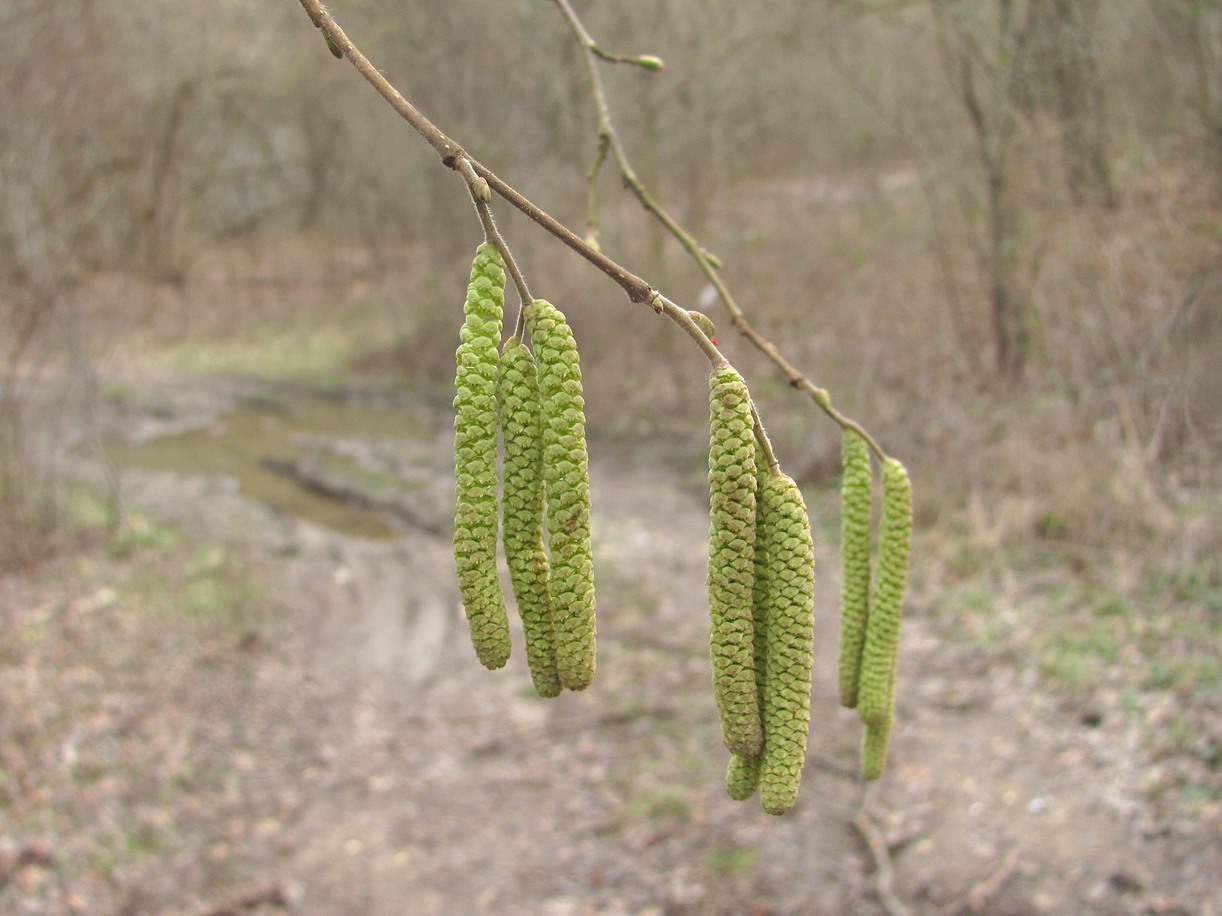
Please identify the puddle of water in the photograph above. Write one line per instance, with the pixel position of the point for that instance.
(243, 444)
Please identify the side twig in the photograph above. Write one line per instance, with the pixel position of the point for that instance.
(609, 141)
(638, 290)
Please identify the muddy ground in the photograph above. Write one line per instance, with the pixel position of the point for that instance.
(326, 743)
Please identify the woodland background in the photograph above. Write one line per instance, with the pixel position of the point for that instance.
(993, 230)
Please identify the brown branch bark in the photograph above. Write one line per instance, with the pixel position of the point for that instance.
(638, 290)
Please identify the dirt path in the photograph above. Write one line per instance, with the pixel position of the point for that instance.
(350, 755)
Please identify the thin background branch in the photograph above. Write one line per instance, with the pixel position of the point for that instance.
(640, 291)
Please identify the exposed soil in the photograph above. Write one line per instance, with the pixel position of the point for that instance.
(333, 747)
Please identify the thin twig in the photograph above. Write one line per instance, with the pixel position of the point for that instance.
(481, 196)
(608, 139)
(637, 289)
(592, 190)
(761, 438)
(256, 898)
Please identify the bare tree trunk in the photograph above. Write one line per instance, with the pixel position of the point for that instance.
(1060, 69)
(1206, 37)
(993, 126)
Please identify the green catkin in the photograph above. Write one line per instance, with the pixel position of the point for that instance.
(475, 437)
(874, 749)
(522, 510)
(742, 777)
(855, 507)
(731, 560)
(566, 477)
(789, 610)
(743, 773)
(880, 654)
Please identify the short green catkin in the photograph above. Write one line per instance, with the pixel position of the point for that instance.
(874, 749)
(880, 654)
(789, 610)
(743, 773)
(475, 440)
(566, 477)
(855, 508)
(731, 560)
(522, 510)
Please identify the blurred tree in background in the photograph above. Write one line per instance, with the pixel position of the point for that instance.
(1031, 186)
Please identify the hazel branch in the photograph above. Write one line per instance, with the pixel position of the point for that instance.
(481, 196)
(638, 290)
(596, 166)
(708, 263)
(451, 151)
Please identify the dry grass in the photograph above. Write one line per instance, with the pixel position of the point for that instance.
(1067, 537)
(870, 286)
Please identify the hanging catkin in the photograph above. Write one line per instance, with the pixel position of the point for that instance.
(731, 560)
(475, 437)
(789, 611)
(855, 508)
(876, 690)
(567, 486)
(522, 510)
(743, 773)
(874, 747)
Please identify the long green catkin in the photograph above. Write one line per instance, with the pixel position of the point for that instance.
(566, 478)
(522, 510)
(731, 575)
(856, 498)
(743, 773)
(789, 610)
(475, 439)
(880, 654)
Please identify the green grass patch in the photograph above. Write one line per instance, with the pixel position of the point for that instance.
(726, 861)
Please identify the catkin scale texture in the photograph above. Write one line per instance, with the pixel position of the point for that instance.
(566, 478)
(522, 510)
(731, 574)
(879, 656)
(742, 777)
(475, 470)
(789, 609)
(743, 773)
(856, 503)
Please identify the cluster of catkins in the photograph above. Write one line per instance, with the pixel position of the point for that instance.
(538, 411)
(870, 616)
(761, 604)
(761, 576)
